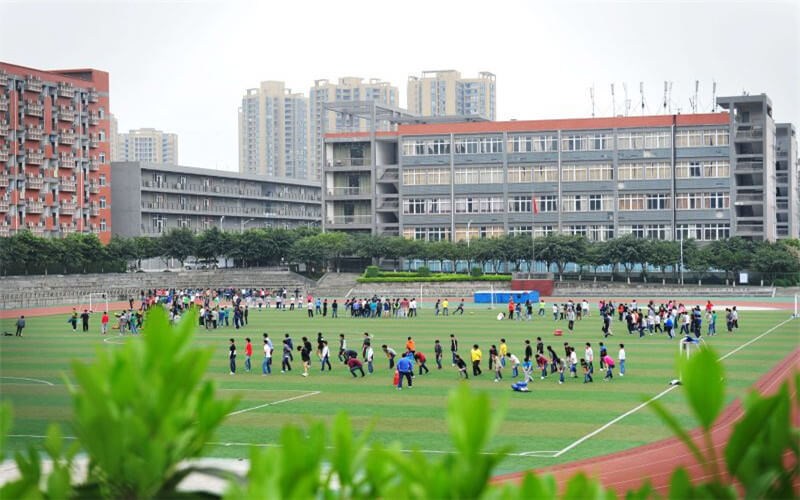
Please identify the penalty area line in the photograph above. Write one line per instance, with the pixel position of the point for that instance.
(36, 380)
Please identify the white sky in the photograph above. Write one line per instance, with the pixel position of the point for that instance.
(183, 66)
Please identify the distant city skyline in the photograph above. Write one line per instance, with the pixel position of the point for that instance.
(546, 55)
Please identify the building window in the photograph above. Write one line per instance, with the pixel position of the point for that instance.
(102, 179)
(702, 138)
(479, 175)
(573, 204)
(658, 201)
(414, 206)
(599, 232)
(426, 176)
(630, 172)
(520, 204)
(696, 169)
(547, 203)
(479, 205)
(628, 202)
(475, 145)
(591, 142)
(533, 144)
(429, 147)
(102, 157)
(703, 232)
(102, 202)
(103, 226)
(539, 231)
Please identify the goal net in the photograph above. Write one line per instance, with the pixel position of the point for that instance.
(97, 301)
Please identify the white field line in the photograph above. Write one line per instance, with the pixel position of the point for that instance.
(36, 380)
(659, 395)
(273, 403)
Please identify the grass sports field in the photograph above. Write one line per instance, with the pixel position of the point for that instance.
(550, 425)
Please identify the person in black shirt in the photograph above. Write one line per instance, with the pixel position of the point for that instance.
(288, 341)
(85, 320)
(528, 351)
(539, 345)
(437, 351)
(364, 344)
(461, 365)
(342, 348)
(305, 355)
(454, 348)
(492, 355)
(554, 359)
(232, 356)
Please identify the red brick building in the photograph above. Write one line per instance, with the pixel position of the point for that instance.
(55, 156)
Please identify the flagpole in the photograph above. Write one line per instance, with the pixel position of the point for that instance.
(533, 234)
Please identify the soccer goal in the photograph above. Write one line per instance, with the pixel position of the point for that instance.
(796, 313)
(97, 300)
(686, 347)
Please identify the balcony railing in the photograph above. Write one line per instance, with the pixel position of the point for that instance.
(66, 90)
(4, 181)
(67, 161)
(34, 183)
(94, 119)
(94, 210)
(94, 142)
(349, 162)
(3, 206)
(67, 185)
(34, 157)
(34, 207)
(68, 208)
(5, 231)
(348, 191)
(38, 230)
(3, 129)
(4, 155)
(67, 137)
(67, 229)
(66, 114)
(94, 188)
(34, 109)
(34, 134)
(33, 84)
(4, 104)
(349, 219)
(750, 133)
(754, 166)
(3, 79)
(94, 164)
(93, 96)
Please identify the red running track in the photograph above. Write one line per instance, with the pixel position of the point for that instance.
(629, 469)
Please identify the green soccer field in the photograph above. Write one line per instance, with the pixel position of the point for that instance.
(549, 419)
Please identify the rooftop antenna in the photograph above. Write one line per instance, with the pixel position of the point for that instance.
(666, 85)
(694, 99)
(669, 98)
(713, 96)
(613, 102)
(641, 93)
(591, 95)
(627, 103)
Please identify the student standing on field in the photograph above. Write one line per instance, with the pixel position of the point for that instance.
(20, 326)
(248, 353)
(437, 353)
(502, 351)
(73, 320)
(514, 364)
(369, 358)
(305, 355)
(286, 365)
(475, 356)
(266, 367)
(232, 356)
(104, 323)
(453, 347)
(326, 352)
(621, 360)
(85, 320)
(588, 356)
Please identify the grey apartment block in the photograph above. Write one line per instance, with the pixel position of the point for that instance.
(787, 188)
(150, 199)
(658, 177)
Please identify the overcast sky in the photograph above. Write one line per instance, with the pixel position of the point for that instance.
(183, 66)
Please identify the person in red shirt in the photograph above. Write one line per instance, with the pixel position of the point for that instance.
(421, 360)
(510, 308)
(248, 352)
(355, 365)
(104, 323)
(709, 307)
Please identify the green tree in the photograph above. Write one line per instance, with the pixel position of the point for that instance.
(731, 255)
(774, 259)
(178, 244)
(626, 251)
(334, 245)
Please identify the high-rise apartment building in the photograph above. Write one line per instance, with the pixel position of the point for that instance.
(446, 93)
(273, 132)
(346, 89)
(668, 177)
(55, 156)
(146, 145)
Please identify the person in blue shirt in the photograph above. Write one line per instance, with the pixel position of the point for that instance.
(405, 367)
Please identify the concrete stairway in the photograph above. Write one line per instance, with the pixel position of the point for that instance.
(335, 284)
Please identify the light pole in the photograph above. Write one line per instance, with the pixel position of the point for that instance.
(681, 240)
(469, 223)
(221, 220)
(241, 225)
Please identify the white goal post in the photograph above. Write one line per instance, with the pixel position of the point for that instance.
(796, 313)
(99, 300)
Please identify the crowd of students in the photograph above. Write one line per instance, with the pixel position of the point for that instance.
(541, 360)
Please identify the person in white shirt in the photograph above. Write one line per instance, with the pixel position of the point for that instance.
(622, 360)
(413, 307)
(585, 308)
(514, 364)
(326, 356)
(369, 357)
(573, 363)
(588, 355)
(266, 365)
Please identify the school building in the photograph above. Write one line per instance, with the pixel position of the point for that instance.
(701, 176)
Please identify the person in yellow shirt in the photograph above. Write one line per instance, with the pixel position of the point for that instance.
(541, 307)
(502, 351)
(446, 307)
(411, 346)
(476, 356)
